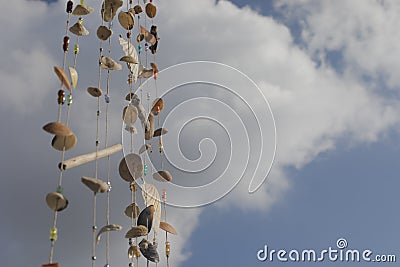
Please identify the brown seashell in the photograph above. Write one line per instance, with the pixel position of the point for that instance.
(149, 131)
(103, 32)
(82, 10)
(150, 38)
(132, 211)
(108, 63)
(131, 167)
(126, 20)
(140, 37)
(129, 96)
(155, 68)
(96, 185)
(137, 9)
(151, 10)
(65, 143)
(56, 201)
(146, 217)
(162, 176)
(168, 228)
(57, 128)
(94, 91)
(129, 59)
(160, 131)
(158, 105)
(149, 251)
(78, 29)
(74, 76)
(110, 9)
(63, 77)
(145, 147)
(137, 231)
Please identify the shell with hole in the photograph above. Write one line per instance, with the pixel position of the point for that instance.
(130, 115)
(126, 20)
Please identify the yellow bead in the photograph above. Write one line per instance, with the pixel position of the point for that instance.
(133, 187)
(53, 234)
(136, 251)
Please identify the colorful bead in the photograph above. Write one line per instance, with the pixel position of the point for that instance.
(53, 234)
(66, 43)
(164, 195)
(136, 252)
(107, 98)
(107, 265)
(128, 35)
(61, 100)
(70, 5)
(76, 49)
(160, 145)
(69, 100)
(61, 93)
(138, 16)
(139, 48)
(80, 21)
(167, 248)
(59, 189)
(145, 169)
(133, 187)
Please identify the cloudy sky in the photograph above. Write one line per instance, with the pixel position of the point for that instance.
(329, 72)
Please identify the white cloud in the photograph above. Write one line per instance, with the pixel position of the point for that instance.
(314, 106)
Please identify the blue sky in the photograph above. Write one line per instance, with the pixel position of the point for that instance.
(329, 72)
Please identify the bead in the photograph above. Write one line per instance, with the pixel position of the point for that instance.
(93, 258)
(76, 49)
(61, 93)
(82, 2)
(53, 234)
(128, 35)
(70, 5)
(107, 265)
(130, 2)
(130, 264)
(145, 169)
(160, 145)
(138, 16)
(98, 113)
(97, 143)
(167, 248)
(94, 227)
(130, 80)
(101, 49)
(136, 252)
(59, 189)
(107, 98)
(69, 100)
(133, 187)
(164, 195)
(66, 43)
(139, 48)
(80, 21)
(61, 100)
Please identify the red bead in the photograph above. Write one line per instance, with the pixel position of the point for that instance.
(70, 5)
(66, 43)
(61, 93)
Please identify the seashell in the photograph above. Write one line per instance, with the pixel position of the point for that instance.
(131, 167)
(130, 115)
(65, 143)
(168, 228)
(109, 9)
(94, 91)
(103, 32)
(96, 185)
(108, 63)
(162, 176)
(145, 147)
(137, 9)
(82, 10)
(129, 59)
(151, 10)
(146, 217)
(132, 211)
(56, 201)
(149, 251)
(136, 231)
(126, 20)
(158, 105)
(160, 131)
(79, 29)
(57, 128)
(149, 130)
(63, 77)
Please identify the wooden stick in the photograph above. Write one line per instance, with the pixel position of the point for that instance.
(74, 162)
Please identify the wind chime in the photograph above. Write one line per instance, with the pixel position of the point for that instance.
(132, 167)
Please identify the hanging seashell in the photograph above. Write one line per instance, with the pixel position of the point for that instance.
(160, 131)
(82, 10)
(109, 9)
(155, 68)
(145, 147)
(126, 20)
(149, 251)
(131, 129)
(146, 217)
(103, 32)
(148, 36)
(137, 231)
(94, 91)
(74, 76)
(129, 59)
(132, 211)
(162, 176)
(129, 96)
(168, 228)
(78, 29)
(130, 115)
(145, 73)
(63, 77)
(151, 10)
(140, 37)
(96, 185)
(56, 201)
(57, 128)
(142, 114)
(153, 31)
(63, 143)
(137, 9)
(158, 105)
(108, 228)
(131, 167)
(149, 131)
(108, 63)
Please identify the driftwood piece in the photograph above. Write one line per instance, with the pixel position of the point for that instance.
(79, 160)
